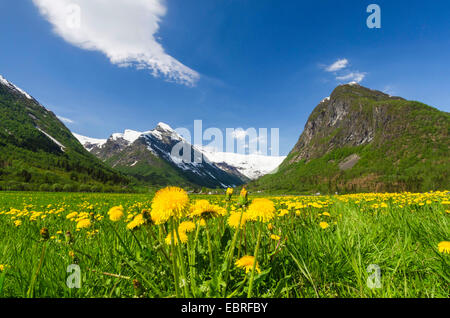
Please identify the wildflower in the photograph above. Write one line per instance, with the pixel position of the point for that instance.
(444, 247)
(275, 237)
(17, 223)
(71, 215)
(234, 218)
(3, 267)
(270, 226)
(324, 225)
(169, 202)
(326, 214)
(229, 194)
(44, 234)
(137, 222)
(183, 238)
(243, 199)
(116, 213)
(202, 222)
(204, 209)
(83, 224)
(186, 227)
(261, 210)
(246, 262)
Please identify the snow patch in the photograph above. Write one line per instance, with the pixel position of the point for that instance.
(129, 135)
(11, 85)
(164, 126)
(252, 166)
(132, 165)
(63, 148)
(326, 99)
(89, 141)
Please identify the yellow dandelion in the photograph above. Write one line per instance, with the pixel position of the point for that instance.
(71, 215)
(326, 214)
(137, 222)
(275, 237)
(186, 227)
(17, 223)
(183, 238)
(261, 210)
(246, 262)
(324, 225)
(3, 267)
(116, 213)
(204, 209)
(169, 202)
(83, 224)
(444, 247)
(233, 220)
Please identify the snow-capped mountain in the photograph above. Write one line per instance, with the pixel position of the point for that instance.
(201, 165)
(14, 87)
(90, 143)
(252, 166)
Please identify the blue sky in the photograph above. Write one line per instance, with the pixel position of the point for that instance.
(252, 63)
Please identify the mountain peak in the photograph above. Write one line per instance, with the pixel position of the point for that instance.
(129, 135)
(355, 90)
(10, 85)
(164, 126)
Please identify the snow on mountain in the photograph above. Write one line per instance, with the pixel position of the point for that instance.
(161, 140)
(60, 145)
(252, 166)
(14, 87)
(129, 135)
(89, 143)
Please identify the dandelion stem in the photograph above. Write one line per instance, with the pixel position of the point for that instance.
(174, 261)
(231, 253)
(181, 260)
(252, 277)
(211, 260)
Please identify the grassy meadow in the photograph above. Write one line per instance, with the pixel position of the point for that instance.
(180, 245)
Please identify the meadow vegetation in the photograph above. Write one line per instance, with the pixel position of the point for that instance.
(177, 245)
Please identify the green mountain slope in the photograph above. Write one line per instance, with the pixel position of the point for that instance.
(37, 152)
(364, 140)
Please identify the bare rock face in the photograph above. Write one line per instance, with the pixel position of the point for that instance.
(341, 120)
(349, 162)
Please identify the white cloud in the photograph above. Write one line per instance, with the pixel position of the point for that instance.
(65, 120)
(353, 77)
(337, 66)
(124, 30)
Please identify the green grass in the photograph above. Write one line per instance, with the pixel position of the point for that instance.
(400, 238)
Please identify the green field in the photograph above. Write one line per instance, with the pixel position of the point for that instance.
(310, 246)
